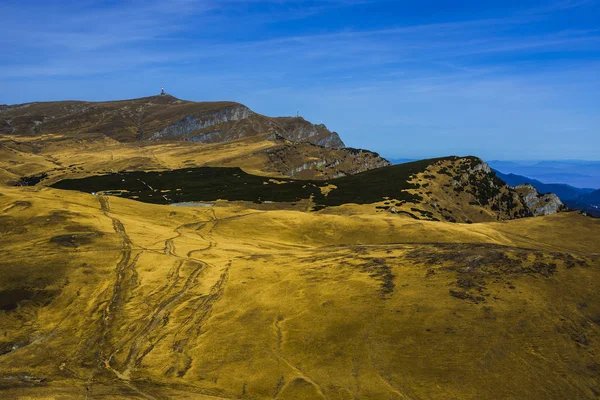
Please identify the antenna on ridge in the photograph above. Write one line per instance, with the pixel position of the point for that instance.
(162, 89)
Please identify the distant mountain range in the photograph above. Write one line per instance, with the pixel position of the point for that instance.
(576, 173)
(401, 160)
(589, 203)
(562, 190)
(584, 199)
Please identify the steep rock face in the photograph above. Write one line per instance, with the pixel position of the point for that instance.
(539, 204)
(297, 129)
(238, 121)
(185, 127)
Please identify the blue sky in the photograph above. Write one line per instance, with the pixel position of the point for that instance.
(500, 79)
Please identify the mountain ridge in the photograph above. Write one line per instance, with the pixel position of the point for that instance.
(138, 128)
(160, 117)
(293, 147)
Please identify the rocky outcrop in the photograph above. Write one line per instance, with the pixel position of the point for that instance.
(297, 129)
(190, 124)
(236, 122)
(539, 204)
(473, 177)
(331, 140)
(466, 190)
(309, 161)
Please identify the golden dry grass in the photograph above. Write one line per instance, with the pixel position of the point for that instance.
(132, 300)
(62, 157)
(103, 297)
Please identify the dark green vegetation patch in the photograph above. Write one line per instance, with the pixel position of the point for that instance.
(214, 183)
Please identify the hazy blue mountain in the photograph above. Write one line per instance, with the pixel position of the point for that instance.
(591, 198)
(583, 199)
(589, 203)
(401, 160)
(576, 173)
(563, 191)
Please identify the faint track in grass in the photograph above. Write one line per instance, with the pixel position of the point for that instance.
(201, 312)
(134, 357)
(144, 341)
(299, 372)
(125, 275)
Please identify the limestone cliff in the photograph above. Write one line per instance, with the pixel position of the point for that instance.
(297, 129)
(192, 127)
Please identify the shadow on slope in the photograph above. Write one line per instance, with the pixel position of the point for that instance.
(214, 183)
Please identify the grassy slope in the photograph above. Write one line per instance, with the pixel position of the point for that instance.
(62, 156)
(133, 300)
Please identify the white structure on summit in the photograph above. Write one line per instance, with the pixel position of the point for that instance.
(162, 90)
